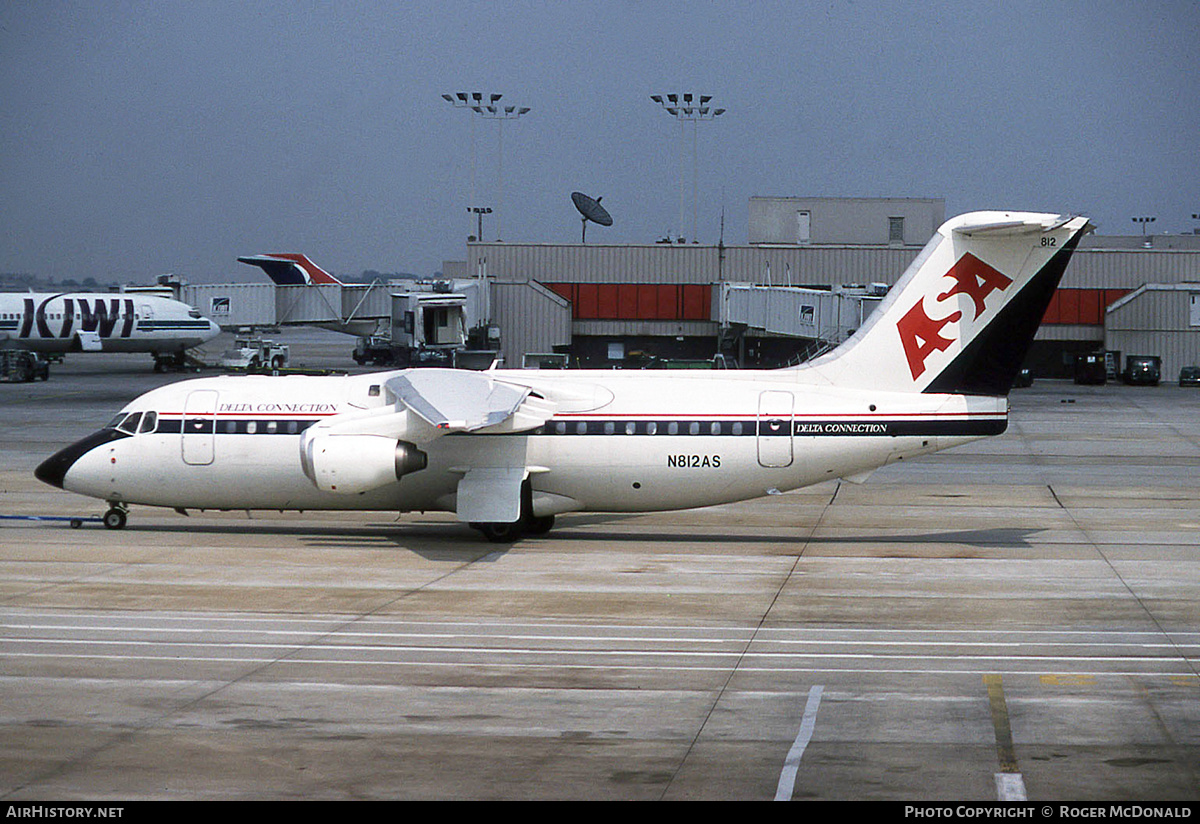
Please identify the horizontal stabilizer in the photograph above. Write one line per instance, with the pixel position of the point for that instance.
(1025, 224)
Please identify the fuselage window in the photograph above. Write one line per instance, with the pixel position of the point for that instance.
(293, 427)
(694, 428)
(651, 428)
(251, 427)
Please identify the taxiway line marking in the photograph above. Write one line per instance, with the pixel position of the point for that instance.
(791, 764)
(1010, 786)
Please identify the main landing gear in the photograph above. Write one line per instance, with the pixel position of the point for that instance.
(116, 516)
(528, 524)
(500, 533)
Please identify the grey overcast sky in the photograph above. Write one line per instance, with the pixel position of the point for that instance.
(138, 138)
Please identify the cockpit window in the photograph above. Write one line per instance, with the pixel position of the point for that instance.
(149, 422)
(130, 424)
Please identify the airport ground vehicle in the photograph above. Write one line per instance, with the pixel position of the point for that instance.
(1189, 376)
(21, 366)
(255, 354)
(1143, 369)
(374, 349)
(1091, 368)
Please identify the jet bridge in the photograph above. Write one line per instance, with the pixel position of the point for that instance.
(828, 316)
(355, 309)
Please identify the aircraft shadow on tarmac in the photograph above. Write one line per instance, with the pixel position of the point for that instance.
(448, 541)
(1016, 538)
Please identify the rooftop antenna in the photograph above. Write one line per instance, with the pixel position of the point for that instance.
(721, 237)
(590, 209)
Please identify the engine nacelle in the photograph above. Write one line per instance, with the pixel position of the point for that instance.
(350, 464)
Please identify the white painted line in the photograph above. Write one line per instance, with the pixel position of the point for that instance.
(791, 764)
(1010, 787)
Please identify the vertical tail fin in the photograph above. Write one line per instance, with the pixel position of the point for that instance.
(288, 269)
(962, 318)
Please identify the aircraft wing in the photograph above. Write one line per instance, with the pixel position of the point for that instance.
(363, 450)
(457, 400)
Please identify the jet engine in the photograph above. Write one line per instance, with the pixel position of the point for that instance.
(350, 464)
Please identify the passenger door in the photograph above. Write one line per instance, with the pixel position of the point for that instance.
(775, 428)
(200, 427)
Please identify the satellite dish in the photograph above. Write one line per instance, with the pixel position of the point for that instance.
(591, 210)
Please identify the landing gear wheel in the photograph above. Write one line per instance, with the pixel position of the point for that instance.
(539, 526)
(501, 533)
(115, 518)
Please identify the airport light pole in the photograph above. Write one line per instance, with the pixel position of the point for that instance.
(1144, 221)
(684, 108)
(479, 212)
(500, 114)
(472, 102)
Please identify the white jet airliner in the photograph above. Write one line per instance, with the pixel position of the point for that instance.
(103, 322)
(507, 450)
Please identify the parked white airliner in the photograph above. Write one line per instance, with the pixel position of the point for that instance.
(507, 450)
(102, 322)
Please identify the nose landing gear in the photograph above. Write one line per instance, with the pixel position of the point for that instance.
(116, 516)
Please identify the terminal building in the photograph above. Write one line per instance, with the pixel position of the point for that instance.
(811, 270)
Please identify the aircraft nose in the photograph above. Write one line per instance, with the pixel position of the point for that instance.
(54, 469)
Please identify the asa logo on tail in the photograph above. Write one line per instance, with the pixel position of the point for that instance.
(922, 335)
